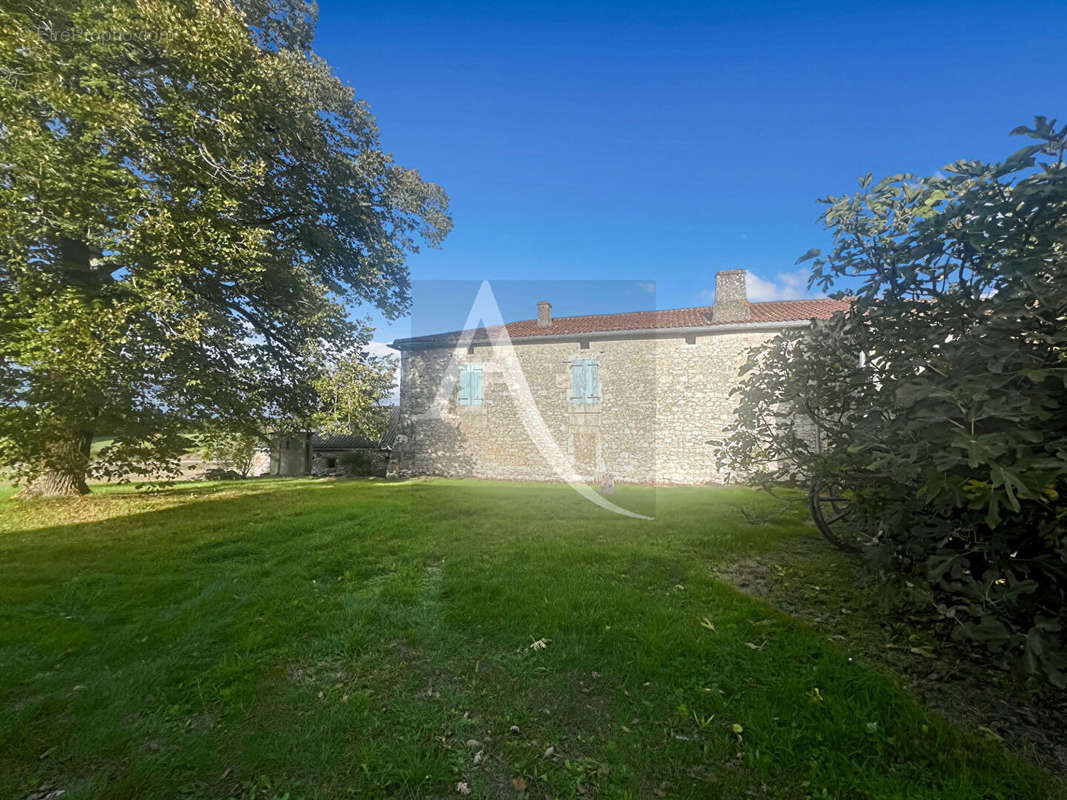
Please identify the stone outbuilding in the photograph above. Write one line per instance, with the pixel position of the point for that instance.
(640, 397)
(309, 453)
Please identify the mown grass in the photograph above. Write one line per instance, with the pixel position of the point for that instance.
(373, 639)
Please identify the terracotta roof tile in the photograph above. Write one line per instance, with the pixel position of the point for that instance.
(696, 317)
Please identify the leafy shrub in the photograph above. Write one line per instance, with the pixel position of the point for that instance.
(232, 451)
(940, 399)
(219, 474)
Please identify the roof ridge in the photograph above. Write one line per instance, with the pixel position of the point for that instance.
(674, 308)
(614, 313)
(766, 312)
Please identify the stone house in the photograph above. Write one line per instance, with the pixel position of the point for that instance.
(634, 397)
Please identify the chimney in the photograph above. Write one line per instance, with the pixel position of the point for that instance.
(731, 302)
(544, 314)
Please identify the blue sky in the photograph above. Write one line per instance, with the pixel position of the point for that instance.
(610, 144)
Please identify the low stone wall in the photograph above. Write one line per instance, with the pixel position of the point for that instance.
(333, 463)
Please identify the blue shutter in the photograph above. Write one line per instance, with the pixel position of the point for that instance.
(470, 384)
(578, 382)
(464, 386)
(475, 382)
(585, 381)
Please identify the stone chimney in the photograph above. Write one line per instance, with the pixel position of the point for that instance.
(731, 302)
(544, 314)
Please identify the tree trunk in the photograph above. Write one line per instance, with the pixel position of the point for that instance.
(63, 474)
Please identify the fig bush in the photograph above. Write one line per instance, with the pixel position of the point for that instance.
(938, 404)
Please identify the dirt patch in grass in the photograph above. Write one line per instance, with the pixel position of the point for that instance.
(822, 586)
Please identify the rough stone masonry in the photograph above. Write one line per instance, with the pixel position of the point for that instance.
(638, 397)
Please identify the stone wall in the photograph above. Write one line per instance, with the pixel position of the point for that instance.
(288, 455)
(325, 463)
(662, 401)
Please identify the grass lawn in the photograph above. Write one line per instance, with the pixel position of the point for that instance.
(302, 638)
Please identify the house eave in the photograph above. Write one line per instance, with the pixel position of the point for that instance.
(638, 333)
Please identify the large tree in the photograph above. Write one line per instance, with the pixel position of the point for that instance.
(188, 200)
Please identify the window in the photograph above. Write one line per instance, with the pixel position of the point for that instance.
(470, 385)
(331, 462)
(585, 382)
(584, 344)
(690, 340)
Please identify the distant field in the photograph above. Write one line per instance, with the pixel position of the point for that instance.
(192, 460)
(333, 639)
(99, 443)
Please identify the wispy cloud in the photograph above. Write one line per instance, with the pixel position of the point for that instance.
(786, 286)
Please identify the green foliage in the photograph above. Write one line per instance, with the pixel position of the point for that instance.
(351, 395)
(188, 198)
(941, 399)
(230, 450)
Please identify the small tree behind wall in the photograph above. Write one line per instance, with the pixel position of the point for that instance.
(232, 450)
(352, 392)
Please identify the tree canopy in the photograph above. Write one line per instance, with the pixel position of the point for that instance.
(188, 200)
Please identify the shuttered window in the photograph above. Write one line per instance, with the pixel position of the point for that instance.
(470, 385)
(585, 382)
